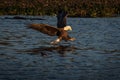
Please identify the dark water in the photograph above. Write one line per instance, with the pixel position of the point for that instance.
(26, 54)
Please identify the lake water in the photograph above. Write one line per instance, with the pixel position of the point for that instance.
(26, 54)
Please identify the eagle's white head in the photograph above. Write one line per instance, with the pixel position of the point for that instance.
(67, 28)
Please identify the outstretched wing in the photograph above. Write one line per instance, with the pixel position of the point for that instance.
(44, 28)
(61, 19)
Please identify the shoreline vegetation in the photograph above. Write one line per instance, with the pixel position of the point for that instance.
(75, 8)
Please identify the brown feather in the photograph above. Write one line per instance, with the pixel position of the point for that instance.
(44, 28)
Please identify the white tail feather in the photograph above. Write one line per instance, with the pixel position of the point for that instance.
(56, 41)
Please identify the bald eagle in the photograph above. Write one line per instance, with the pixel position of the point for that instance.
(60, 30)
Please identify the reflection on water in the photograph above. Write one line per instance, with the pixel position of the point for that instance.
(44, 51)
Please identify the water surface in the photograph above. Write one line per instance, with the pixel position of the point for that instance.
(26, 54)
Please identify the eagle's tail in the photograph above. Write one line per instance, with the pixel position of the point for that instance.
(56, 41)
